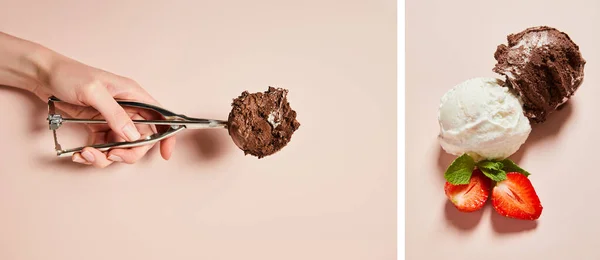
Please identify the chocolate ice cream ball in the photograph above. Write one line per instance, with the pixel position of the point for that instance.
(262, 123)
(544, 66)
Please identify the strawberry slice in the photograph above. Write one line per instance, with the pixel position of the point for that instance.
(516, 198)
(469, 197)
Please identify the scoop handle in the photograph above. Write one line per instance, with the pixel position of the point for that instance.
(105, 147)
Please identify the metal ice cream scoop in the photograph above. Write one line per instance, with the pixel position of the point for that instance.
(177, 123)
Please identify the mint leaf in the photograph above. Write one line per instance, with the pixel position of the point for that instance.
(510, 166)
(490, 165)
(460, 170)
(492, 170)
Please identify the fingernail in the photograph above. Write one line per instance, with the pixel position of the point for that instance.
(131, 132)
(77, 158)
(88, 156)
(115, 158)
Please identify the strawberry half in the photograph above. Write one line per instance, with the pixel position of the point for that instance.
(516, 198)
(469, 197)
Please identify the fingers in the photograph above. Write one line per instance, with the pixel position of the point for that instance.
(129, 89)
(91, 156)
(167, 146)
(79, 159)
(97, 96)
(101, 96)
(132, 155)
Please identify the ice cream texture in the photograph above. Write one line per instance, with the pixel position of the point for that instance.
(262, 123)
(482, 118)
(544, 67)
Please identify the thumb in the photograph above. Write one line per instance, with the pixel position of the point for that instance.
(97, 96)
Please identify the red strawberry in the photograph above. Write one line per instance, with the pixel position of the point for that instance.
(469, 197)
(516, 198)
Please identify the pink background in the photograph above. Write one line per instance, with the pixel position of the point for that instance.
(451, 41)
(330, 194)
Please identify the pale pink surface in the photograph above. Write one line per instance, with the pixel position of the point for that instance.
(451, 41)
(330, 194)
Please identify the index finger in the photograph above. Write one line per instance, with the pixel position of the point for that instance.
(125, 88)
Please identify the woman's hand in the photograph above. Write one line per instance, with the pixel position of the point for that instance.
(87, 92)
(91, 93)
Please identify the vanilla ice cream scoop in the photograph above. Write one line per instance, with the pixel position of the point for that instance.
(483, 118)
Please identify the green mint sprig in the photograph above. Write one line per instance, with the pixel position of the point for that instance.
(493, 170)
(460, 170)
(510, 166)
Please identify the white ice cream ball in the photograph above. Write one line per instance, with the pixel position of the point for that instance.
(483, 118)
